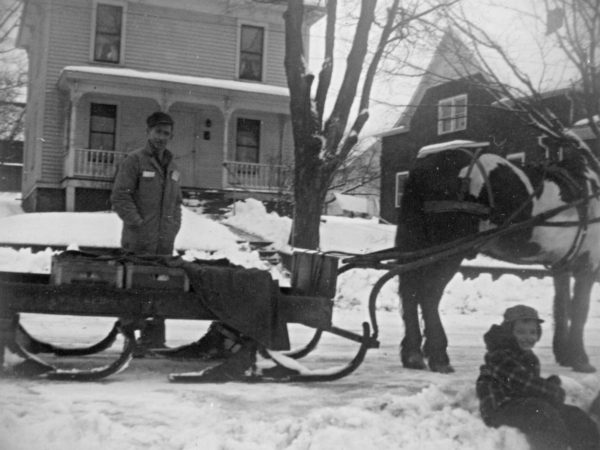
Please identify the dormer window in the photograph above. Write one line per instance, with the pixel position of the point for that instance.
(452, 114)
(108, 33)
(251, 52)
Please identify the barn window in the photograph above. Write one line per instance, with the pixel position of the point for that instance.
(251, 52)
(108, 33)
(452, 114)
(400, 180)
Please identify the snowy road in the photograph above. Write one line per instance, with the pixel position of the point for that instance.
(380, 406)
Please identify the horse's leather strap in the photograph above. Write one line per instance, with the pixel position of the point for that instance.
(446, 206)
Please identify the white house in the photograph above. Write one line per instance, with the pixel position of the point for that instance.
(98, 68)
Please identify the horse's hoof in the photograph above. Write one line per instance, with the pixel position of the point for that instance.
(414, 362)
(563, 359)
(584, 367)
(441, 368)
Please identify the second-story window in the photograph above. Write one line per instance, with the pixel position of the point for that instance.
(103, 126)
(108, 35)
(251, 52)
(247, 140)
(452, 114)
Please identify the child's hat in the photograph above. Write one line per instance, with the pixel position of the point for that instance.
(521, 312)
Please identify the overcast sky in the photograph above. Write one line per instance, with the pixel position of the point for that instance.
(515, 24)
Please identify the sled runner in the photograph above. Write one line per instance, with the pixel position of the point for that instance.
(101, 285)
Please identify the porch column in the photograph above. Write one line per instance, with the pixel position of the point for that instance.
(70, 157)
(279, 170)
(227, 111)
(165, 101)
(70, 198)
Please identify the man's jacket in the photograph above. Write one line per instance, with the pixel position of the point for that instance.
(510, 372)
(147, 198)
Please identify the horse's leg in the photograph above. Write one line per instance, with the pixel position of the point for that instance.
(584, 281)
(436, 342)
(562, 314)
(424, 287)
(410, 347)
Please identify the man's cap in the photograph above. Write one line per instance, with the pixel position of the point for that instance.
(521, 312)
(159, 118)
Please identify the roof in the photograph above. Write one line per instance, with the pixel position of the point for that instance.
(452, 60)
(397, 130)
(74, 73)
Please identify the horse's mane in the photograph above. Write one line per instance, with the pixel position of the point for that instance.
(586, 152)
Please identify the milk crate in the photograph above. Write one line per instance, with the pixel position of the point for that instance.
(314, 273)
(156, 277)
(86, 271)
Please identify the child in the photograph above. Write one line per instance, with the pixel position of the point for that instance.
(511, 391)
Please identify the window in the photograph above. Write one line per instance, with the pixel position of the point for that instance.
(107, 40)
(251, 52)
(452, 114)
(103, 126)
(400, 180)
(247, 140)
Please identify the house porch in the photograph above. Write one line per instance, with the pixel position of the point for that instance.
(212, 149)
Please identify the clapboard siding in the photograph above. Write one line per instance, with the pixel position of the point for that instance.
(195, 44)
(68, 44)
(175, 41)
(275, 55)
(167, 39)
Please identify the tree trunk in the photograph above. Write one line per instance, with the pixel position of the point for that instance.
(310, 190)
(309, 200)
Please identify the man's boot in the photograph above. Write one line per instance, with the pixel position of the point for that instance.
(152, 336)
(219, 342)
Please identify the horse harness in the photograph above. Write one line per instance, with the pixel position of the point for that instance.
(560, 175)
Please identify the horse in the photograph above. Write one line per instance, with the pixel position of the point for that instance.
(467, 201)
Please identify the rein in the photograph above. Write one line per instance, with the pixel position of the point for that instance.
(416, 259)
(477, 209)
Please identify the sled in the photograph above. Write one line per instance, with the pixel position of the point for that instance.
(93, 293)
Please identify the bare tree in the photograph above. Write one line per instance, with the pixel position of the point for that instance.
(573, 27)
(322, 144)
(12, 73)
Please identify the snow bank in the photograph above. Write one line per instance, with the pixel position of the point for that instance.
(381, 405)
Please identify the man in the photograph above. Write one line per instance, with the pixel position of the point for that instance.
(147, 197)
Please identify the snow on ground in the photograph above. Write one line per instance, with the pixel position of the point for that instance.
(380, 406)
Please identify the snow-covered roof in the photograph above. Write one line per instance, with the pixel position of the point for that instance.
(585, 122)
(92, 72)
(441, 146)
(397, 130)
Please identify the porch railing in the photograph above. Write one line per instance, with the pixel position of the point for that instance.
(270, 177)
(90, 163)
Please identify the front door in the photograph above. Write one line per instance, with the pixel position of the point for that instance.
(185, 145)
(197, 147)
